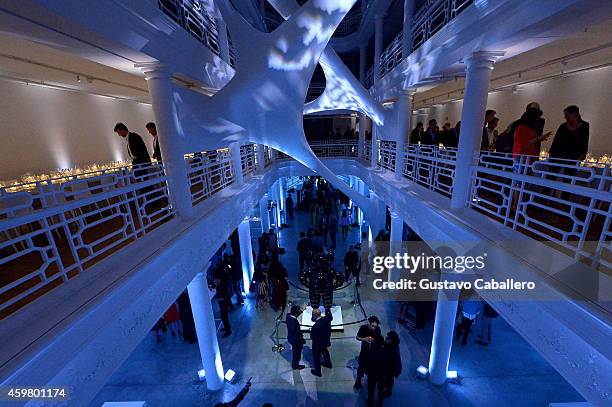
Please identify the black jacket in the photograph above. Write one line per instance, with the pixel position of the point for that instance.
(294, 334)
(156, 150)
(321, 333)
(137, 149)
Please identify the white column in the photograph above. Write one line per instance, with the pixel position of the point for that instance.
(224, 53)
(171, 139)
(442, 340)
(478, 66)
(404, 112)
(207, 332)
(281, 194)
(362, 131)
(264, 214)
(275, 194)
(408, 22)
(236, 163)
(379, 21)
(395, 244)
(374, 144)
(261, 160)
(379, 213)
(362, 64)
(246, 252)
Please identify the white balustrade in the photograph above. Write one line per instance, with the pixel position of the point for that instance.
(334, 148)
(53, 230)
(431, 166)
(387, 154)
(247, 158)
(209, 172)
(56, 229)
(565, 202)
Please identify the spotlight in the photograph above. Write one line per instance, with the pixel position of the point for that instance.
(201, 374)
(451, 374)
(422, 372)
(230, 375)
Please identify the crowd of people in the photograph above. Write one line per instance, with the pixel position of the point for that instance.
(523, 136)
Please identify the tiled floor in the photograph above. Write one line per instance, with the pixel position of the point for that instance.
(507, 373)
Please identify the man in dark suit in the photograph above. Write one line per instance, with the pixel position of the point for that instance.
(137, 149)
(295, 337)
(489, 116)
(321, 340)
(152, 129)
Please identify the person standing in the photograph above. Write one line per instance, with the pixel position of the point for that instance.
(152, 129)
(526, 148)
(224, 299)
(489, 116)
(280, 286)
(392, 362)
(417, 134)
(492, 133)
(187, 322)
(351, 265)
(295, 336)
(430, 136)
(488, 315)
(345, 223)
(505, 141)
(173, 320)
(236, 277)
(289, 206)
(469, 312)
(272, 242)
(320, 334)
(374, 368)
(333, 229)
(367, 334)
(571, 141)
(137, 149)
(303, 247)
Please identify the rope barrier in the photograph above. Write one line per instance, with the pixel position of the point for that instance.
(305, 290)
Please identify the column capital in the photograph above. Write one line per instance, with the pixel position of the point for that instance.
(482, 59)
(154, 70)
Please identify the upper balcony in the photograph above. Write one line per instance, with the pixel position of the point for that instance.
(54, 229)
(428, 20)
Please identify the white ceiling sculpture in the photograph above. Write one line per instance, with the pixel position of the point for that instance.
(342, 89)
(264, 101)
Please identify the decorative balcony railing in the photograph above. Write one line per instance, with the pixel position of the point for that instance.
(431, 166)
(387, 154)
(335, 148)
(55, 230)
(561, 201)
(428, 20)
(247, 158)
(209, 172)
(198, 20)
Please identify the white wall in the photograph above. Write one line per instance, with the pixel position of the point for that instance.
(43, 129)
(590, 91)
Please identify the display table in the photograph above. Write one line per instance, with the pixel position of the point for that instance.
(306, 319)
